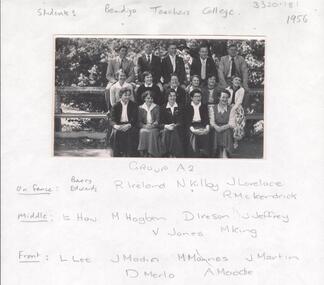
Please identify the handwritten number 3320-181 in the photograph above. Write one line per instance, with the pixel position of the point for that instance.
(297, 19)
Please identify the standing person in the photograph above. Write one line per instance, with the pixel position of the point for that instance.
(232, 65)
(158, 98)
(171, 122)
(204, 66)
(180, 92)
(237, 117)
(115, 88)
(173, 64)
(211, 92)
(148, 121)
(124, 114)
(219, 116)
(151, 63)
(114, 65)
(197, 126)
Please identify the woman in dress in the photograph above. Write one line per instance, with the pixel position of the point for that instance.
(237, 117)
(171, 122)
(148, 121)
(124, 114)
(149, 85)
(115, 89)
(219, 116)
(197, 125)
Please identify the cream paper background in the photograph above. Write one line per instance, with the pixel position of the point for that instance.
(294, 143)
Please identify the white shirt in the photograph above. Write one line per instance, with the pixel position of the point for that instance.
(149, 57)
(230, 69)
(196, 116)
(124, 117)
(221, 109)
(172, 107)
(203, 68)
(146, 85)
(148, 114)
(173, 61)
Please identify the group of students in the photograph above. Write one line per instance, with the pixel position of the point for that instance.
(165, 117)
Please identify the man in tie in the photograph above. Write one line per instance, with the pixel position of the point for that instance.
(150, 63)
(232, 65)
(173, 64)
(204, 66)
(114, 65)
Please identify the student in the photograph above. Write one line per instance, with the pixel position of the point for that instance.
(148, 121)
(148, 62)
(211, 92)
(194, 84)
(204, 66)
(114, 65)
(197, 126)
(124, 115)
(158, 98)
(219, 115)
(180, 92)
(232, 65)
(173, 64)
(171, 123)
(237, 117)
(115, 88)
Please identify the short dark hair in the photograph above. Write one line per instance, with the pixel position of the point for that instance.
(193, 92)
(203, 46)
(146, 73)
(195, 75)
(146, 93)
(172, 43)
(231, 45)
(123, 91)
(169, 91)
(226, 92)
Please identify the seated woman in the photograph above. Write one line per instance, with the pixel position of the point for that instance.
(194, 84)
(148, 121)
(219, 115)
(171, 122)
(148, 85)
(237, 117)
(180, 92)
(197, 125)
(116, 87)
(123, 120)
(210, 93)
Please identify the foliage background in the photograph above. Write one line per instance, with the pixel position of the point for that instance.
(83, 62)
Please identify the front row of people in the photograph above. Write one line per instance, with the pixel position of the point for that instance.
(172, 130)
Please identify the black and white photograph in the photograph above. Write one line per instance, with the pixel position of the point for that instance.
(170, 97)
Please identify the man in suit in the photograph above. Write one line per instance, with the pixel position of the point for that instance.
(173, 64)
(114, 65)
(232, 65)
(151, 63)
(124, 125)
(203, 66)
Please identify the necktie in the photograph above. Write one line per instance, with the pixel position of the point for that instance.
(203, 69)
(233, 68)
(148, 59)
(173, 63)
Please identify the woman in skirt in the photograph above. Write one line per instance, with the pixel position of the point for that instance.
(148, 121)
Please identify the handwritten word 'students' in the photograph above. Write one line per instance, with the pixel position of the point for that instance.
(55, 12)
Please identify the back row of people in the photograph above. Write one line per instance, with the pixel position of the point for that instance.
(162, 71)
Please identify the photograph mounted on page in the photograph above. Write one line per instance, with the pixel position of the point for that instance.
(170, 97)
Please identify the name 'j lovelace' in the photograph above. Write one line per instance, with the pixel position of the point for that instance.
(235, 181)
